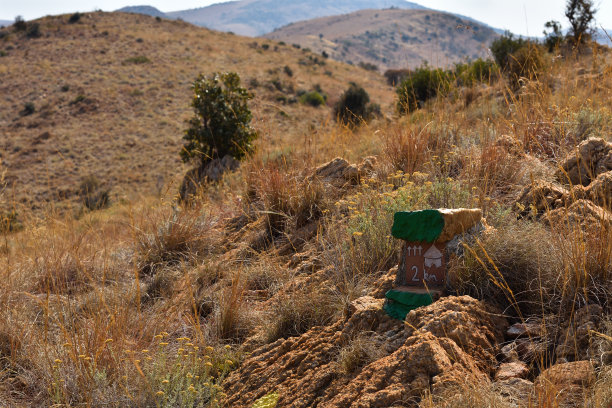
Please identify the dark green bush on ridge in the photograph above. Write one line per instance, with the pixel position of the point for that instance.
(420, 85)
(503, 47)
(221, 123)
(312, 98)
(354, 106)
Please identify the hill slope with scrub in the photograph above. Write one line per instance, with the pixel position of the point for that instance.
(266, 289)
(109, 95)
(392, 38)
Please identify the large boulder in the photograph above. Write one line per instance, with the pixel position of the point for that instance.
(600, 190)
(442, 345)
(591, 158)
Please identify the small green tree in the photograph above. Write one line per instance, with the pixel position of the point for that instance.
(221, 124)
(552, 38)
(420, 85)
(353, 106)
(580, 14)
(503, 47)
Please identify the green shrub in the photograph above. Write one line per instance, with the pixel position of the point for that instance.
(93, 195)
(141, 59)
(288, 70)
(528, 62)
(28, 109)
(478, 71)
(504, 46)
(74, 18)
(20, 24)
(422, 84)
(33, 30)
(221, 124)
(312, 98)
(553, 38)
(354, 106)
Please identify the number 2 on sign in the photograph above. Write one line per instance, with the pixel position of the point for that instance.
(415, 278)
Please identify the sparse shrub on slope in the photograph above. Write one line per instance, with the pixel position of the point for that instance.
(312, 98)
(527, 63)
(354, 106)
(93, 195)
(222, 122)
(422, 84)
(505, 46)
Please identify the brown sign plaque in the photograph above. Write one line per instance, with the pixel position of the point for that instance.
(423, 265)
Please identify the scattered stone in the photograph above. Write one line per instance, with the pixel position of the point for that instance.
(565, 383)
(516, 390)
(576, 341)
(338, 173)
(600, 190)
(536, 200)
(527, 329)
(591, 158)
(511, 145)
(516, 369)
(582, 213)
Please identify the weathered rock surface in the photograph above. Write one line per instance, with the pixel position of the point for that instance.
(600, 190)
(565, 383)
(591, 158)
(440, 345)
(576, 340)
(516, 369)
(457, 221)
(339, 172)
(583, 213)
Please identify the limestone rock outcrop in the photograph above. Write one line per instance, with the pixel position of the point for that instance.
(441, 345)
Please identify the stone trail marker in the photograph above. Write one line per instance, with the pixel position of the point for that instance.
(421, 275)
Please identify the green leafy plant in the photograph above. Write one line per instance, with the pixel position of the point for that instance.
(312, 98)
(580, 14)
(354, 106)
(422, 84)
(503, 47)
(221, 124)
(552, 38)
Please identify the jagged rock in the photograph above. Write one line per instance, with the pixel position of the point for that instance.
(591, 158)
(441, 345)
(581, 212)
(600, 190)
(338, 173)
(457, 221)
(536, 200)
(384, 283)
(211, 171)
(511, 145)
(525, 349)
(516, 390)
(516, 369)
(576, 341)
(565, 383)
(527, 329)
(475, 326)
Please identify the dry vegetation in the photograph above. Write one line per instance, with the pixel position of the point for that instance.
(150, 303)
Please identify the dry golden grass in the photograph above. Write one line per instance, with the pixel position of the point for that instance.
(100, 309)
(99, 111)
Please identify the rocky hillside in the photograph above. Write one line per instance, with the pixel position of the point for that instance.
(146, 10)
(392, 38)
(257, 17)
(110, 94)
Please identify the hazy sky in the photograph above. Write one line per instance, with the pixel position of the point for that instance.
(519, 16)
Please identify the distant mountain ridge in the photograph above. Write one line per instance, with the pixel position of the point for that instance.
(392, 38)
(5, 23)
(146, 10)
(257, 17)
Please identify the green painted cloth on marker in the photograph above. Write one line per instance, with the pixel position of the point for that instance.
(399, 304)
(424, 225)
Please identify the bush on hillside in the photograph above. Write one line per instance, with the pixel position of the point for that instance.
(221, 124)
(312, 98)
(503, 47)
(527, 63)
(478, 71)
(93, 195)
(354, 106)
(554, 37)
(422, 84)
